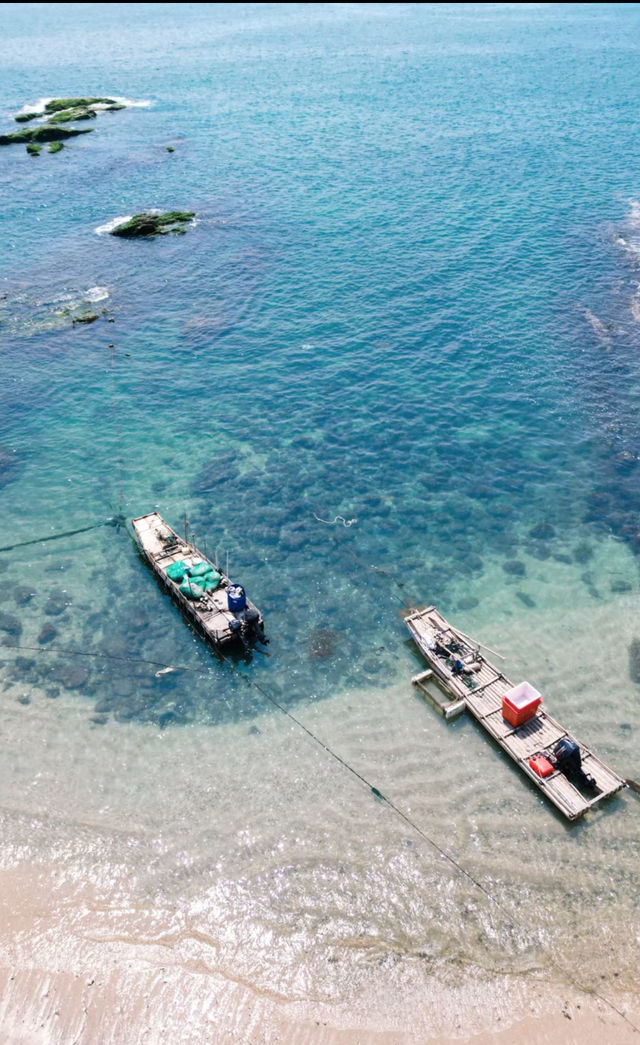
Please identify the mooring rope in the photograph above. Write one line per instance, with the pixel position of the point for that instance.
(115, 520)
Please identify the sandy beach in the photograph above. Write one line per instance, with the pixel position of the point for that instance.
(60, 985)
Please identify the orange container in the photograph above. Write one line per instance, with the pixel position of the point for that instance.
(520, 704)
(541, 765)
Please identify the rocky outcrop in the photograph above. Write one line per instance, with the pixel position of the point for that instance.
(46, 133)
(144, 225)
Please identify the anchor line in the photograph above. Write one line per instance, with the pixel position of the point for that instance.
(113, 521)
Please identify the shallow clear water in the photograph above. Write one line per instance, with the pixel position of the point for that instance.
(410, 299)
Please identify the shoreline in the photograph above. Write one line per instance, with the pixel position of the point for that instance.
(62, 982)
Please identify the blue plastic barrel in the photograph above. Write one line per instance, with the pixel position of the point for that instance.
(236, 598)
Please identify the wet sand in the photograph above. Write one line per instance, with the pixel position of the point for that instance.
(59, 986)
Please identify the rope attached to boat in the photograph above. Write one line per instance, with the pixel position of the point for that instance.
(116, 520)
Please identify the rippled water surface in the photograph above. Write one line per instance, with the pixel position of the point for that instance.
(396, 359)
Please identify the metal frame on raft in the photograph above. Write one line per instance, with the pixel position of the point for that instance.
(467, 681)
(161, 546)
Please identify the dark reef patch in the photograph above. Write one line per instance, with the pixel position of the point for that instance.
(514, 567)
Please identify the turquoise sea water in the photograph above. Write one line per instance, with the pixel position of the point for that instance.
(410, 299)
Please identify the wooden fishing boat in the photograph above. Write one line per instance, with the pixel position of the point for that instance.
(219, 610)
(467, 681)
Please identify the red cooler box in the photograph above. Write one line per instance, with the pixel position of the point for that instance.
(520, 704)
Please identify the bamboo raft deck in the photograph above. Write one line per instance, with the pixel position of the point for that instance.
(482, 693)
(161, 546)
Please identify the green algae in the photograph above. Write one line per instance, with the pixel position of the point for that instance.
(69, 115)
(58, 104)
(34, 150)
(143, 225)
(24, 117)
(55, 146)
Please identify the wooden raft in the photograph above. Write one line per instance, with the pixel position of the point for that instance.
(480, 691)
(161, 546)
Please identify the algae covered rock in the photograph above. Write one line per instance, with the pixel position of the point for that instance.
(85, 317)
(144, 225)
(24, 117)
(55, 146)
(59, 104)
(70, 115)
(33, 149)
(46, 133)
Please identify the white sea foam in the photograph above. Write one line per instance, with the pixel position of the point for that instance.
(129, 103)
(597, 326)
(39, 106)
(95, 294)
(113, 224)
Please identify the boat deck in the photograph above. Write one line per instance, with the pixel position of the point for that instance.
(161, 546)
(479, 688)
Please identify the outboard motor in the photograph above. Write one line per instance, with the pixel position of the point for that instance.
(254, 625)
(568, 761)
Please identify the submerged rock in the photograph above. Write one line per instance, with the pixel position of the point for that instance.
(142, 225)
(323, 643)
(8, 469)
(525, 599)
(634, 660)
(56, 603)
(46, 133)
(33, 149)
(223, 468)
(542, 532)
(48, 634)
(23, 594)
(71, 674)
(24, 117)
(514, 567)
(619, 586)
(10, 625)
(539, 550)
(583, 552)
(85, 317)
(55, 146)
